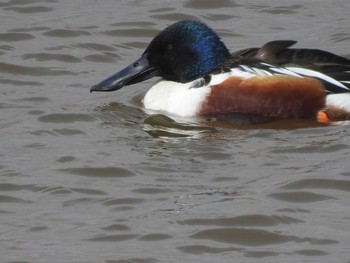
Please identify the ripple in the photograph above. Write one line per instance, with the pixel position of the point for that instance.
(174, 17)
(56, 190)
(158, 169)
(254, 237)
(152, 190)
(68, 132)
(198, 249)
(313, 149)
(13, 187)
(134, 260)
(66, 159)
(241, 236)
(245, 220)
(66, 118)
(116, 227)
(119, 113)
(204, 4)
(52, 57)
(60, 191)
(6, 47)
(260, 254)
(224, 179)
(218, 17)
(95, 46)
(102, 172)
(282, 10)
(35, 99)
(101, 58)
(133, 32)
(311, 252)
(10, 173)
(35, 145)
(87, 191)
(30, 10)
(123, 208)
(340, 37)
(122, 201)
(159, 125)
(162, 10)
(25, 2)
(66, 33)
(112, 238)
(33, 71)
(134, 24)
(11, 199)
(155, 237)
(342, 185)
(42, 132)
(300, 197)
(29, 29)
(38, 228)
(78, 201)
(57, 48)
(20, 82)
(12, 37)
(345, 173)
(35, 112)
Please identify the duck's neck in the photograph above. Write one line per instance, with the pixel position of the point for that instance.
(211, 54)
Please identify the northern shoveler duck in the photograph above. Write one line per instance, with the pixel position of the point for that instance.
(199, 77)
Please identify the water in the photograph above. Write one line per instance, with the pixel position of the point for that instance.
(93, 178)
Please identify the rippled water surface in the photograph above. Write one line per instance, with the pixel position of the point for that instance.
(94, 178)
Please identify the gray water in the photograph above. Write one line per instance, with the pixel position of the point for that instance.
(93, 178)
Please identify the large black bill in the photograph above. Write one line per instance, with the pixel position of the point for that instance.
(138, 71)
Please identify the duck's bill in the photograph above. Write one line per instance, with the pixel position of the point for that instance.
(136, 72)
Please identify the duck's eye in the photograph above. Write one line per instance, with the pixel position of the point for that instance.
(170, 47)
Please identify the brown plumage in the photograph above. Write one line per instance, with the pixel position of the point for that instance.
(273, 96)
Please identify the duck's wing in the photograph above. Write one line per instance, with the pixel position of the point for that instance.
(278, 52)
(270, 52)
(331, 69)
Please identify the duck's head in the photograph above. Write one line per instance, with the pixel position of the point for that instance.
(182, 52)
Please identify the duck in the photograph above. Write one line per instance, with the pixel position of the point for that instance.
(199, 76)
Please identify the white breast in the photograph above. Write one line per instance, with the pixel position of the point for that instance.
(176, 98)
